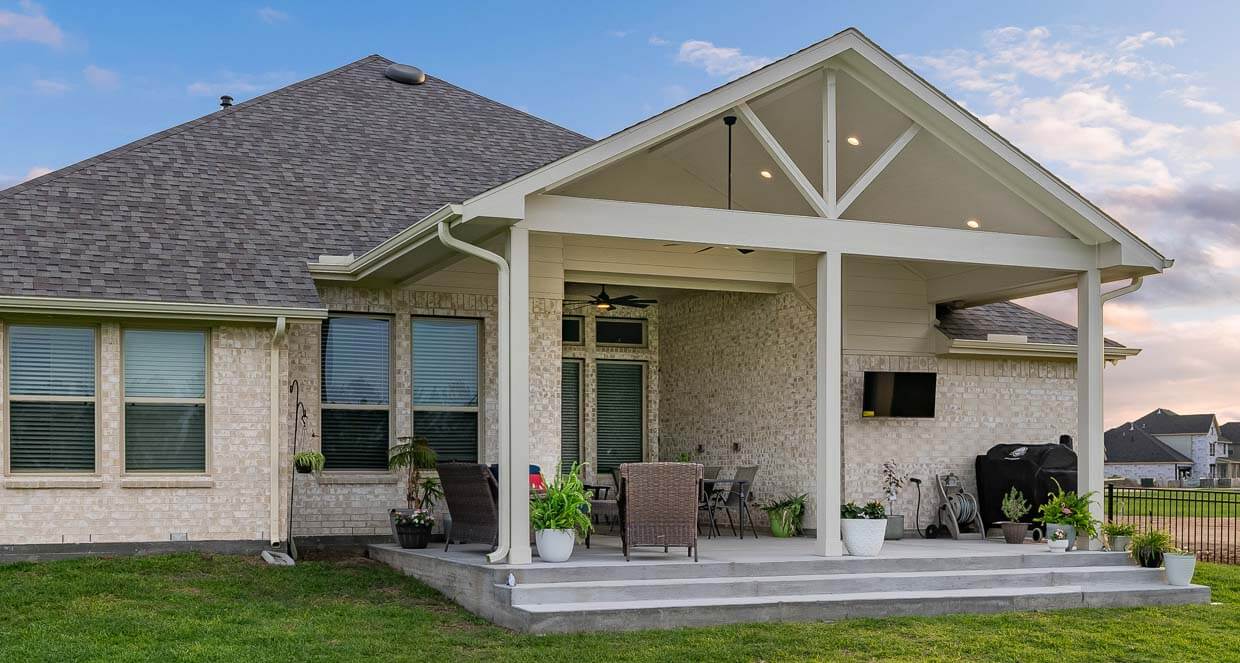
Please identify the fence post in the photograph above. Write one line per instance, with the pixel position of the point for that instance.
(1110, 506)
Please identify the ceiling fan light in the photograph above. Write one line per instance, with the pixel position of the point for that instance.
(854, 141)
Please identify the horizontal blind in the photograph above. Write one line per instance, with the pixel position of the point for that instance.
(570, 414)
(355, 361)
(165, 363)
(445, 362)
(51, 436)
(355, 439)
(165, 436)
(620, 414)
(453, 435)
(51, 361)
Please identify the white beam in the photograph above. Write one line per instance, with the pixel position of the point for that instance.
(829, 122)
(785, 162)
(783, 232)
(893, 150)
(517, 464)
(828, 435)
(1089, 358)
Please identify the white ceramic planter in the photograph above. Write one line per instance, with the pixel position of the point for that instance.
(1068, 530)
(1180, 568)
(555, 545)
(1057, 546)
(863, 537)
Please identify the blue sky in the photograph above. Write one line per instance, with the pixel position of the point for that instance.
(1133, 103)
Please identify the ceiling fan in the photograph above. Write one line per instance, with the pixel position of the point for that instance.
(729, 120)
(604, 302)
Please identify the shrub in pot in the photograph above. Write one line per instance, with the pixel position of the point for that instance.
(306, 462)
(1180, 564)
(414, 457)
(1149, 547)
(1014, 508)
(863, 528)
(893, 482)
(785, 515)
(559, 515)
(1118, 535)
(1069, 512)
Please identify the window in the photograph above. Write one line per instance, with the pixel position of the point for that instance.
(621, 413)
(571, 330)
(445, 386)
(1213, 450)
(619, 331)
(570, 413)
(51, 399)
(355, 414)
(165, 391)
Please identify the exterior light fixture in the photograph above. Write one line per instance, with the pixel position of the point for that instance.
(854, 141)
(766, 174)
(973, 223)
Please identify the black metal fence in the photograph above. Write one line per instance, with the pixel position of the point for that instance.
(1204, 521)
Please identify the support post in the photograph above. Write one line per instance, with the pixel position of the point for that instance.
(1089, 358)
(827, 423)
(516, 466)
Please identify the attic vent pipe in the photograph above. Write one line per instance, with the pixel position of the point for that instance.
(405, 73)
(226, 101)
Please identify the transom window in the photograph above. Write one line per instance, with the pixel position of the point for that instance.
(355, 402)
(445, 386)
(51, 398)
(570, 329)
(165, 393)
(619, 331)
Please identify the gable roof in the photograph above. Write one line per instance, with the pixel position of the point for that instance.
(977, 322)
(228, 208)
(1166, 422)
(1131, 444)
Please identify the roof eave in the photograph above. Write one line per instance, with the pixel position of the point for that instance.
(973, 347)
(112, 308)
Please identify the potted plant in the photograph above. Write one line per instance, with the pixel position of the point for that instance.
(1118, 535)
(893, 481)
(1014, 508)
(1057, 541)
(1180, 565)
(863, 528)
(785, 515)
(414, 457)
(306, 462)
(1149, 547)
(559, 515)
(1069, 512)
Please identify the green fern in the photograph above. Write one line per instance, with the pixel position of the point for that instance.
(564, 505)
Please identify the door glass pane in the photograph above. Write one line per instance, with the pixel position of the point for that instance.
(621, 420)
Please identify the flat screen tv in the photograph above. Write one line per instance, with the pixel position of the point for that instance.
(891, 394)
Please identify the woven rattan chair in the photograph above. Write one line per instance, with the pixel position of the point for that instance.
(659, 505)
(472, 495)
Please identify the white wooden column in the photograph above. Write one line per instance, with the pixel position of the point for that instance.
(517, 465)
(829, 436)
(1089, 359)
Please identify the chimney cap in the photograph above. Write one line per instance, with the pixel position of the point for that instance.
(225, 101)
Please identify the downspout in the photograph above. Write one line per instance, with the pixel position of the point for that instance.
(505, 439)
(274, 430)
(1132, 287)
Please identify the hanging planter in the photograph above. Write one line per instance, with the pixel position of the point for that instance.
(306, 462)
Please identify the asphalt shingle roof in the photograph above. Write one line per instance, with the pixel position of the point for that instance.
(229, 207)
(1166, 422)
(975, 322)
(1132, 444)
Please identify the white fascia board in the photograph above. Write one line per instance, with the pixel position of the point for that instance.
(390, 249)
(149, 309)
(970, 347)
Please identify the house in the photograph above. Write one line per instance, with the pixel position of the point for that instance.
(1196, 437)
(372, 254)
(1134, 454)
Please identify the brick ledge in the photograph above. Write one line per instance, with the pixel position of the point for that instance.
(32, 483)
(167, 482)
(358, 478)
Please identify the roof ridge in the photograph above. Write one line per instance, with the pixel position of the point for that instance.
(181, 128)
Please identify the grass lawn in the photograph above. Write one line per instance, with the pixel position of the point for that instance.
(219, 608)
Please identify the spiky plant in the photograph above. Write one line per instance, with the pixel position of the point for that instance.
(413, 456)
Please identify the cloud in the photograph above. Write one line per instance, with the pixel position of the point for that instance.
(1191, 96)
(233, 84)
(718, 60)
(49, 87)
(272, 16)
(656, 40)
(7, 181)
(30, 24)
(100, 78)
(1139, 41)
(619, 34)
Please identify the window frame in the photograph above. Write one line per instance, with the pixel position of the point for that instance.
(208, 334)
(414, 408)
(9, 397)
(359, 407)
(606, 318)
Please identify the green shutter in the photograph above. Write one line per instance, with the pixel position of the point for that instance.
(570, 413)
(621, 421)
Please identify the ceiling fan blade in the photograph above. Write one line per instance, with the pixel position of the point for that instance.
(623, 298)
(673, 244)
(704, 250)
(638, 301)
(744, 252)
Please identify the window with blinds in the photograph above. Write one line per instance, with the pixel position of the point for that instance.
(355, 403)
(51, 399)
(570, 413)
(445, 385)
(621, 413)
(165, 393)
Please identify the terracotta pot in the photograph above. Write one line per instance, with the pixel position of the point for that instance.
(1014, 532)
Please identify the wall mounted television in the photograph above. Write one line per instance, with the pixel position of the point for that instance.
(898, 394)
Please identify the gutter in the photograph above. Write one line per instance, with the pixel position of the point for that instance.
(274, 431)
(1132, 287)
(505, 435)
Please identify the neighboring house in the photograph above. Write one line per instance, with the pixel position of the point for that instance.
(1194, 436)
(1133, 453)
(320, 264)
(1230, 433)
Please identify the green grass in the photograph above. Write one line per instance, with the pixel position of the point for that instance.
(1200, 504)
(205, 608)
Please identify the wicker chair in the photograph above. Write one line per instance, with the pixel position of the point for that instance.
(472, 495)
(659, 504)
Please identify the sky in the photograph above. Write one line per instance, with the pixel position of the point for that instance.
(1135, 104)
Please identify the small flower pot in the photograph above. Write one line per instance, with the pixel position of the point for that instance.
(1180, 568)
(1068, 530)
(1060, 545)
(555, 545)
(413, 537)
(895, 528)
(863, 537)
(1118, 543)
(1014, 532)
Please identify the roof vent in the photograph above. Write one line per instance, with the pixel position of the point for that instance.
(405, 73)
(225, 101)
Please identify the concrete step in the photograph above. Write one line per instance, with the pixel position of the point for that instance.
(802, 584)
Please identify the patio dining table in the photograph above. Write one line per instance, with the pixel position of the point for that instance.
(711, 486)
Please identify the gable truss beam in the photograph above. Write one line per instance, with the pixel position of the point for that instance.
(785, 162)
(880, 164)
(829, 122)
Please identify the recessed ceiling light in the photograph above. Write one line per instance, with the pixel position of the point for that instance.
(765, 173)
(854, 141)
(973, 223)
